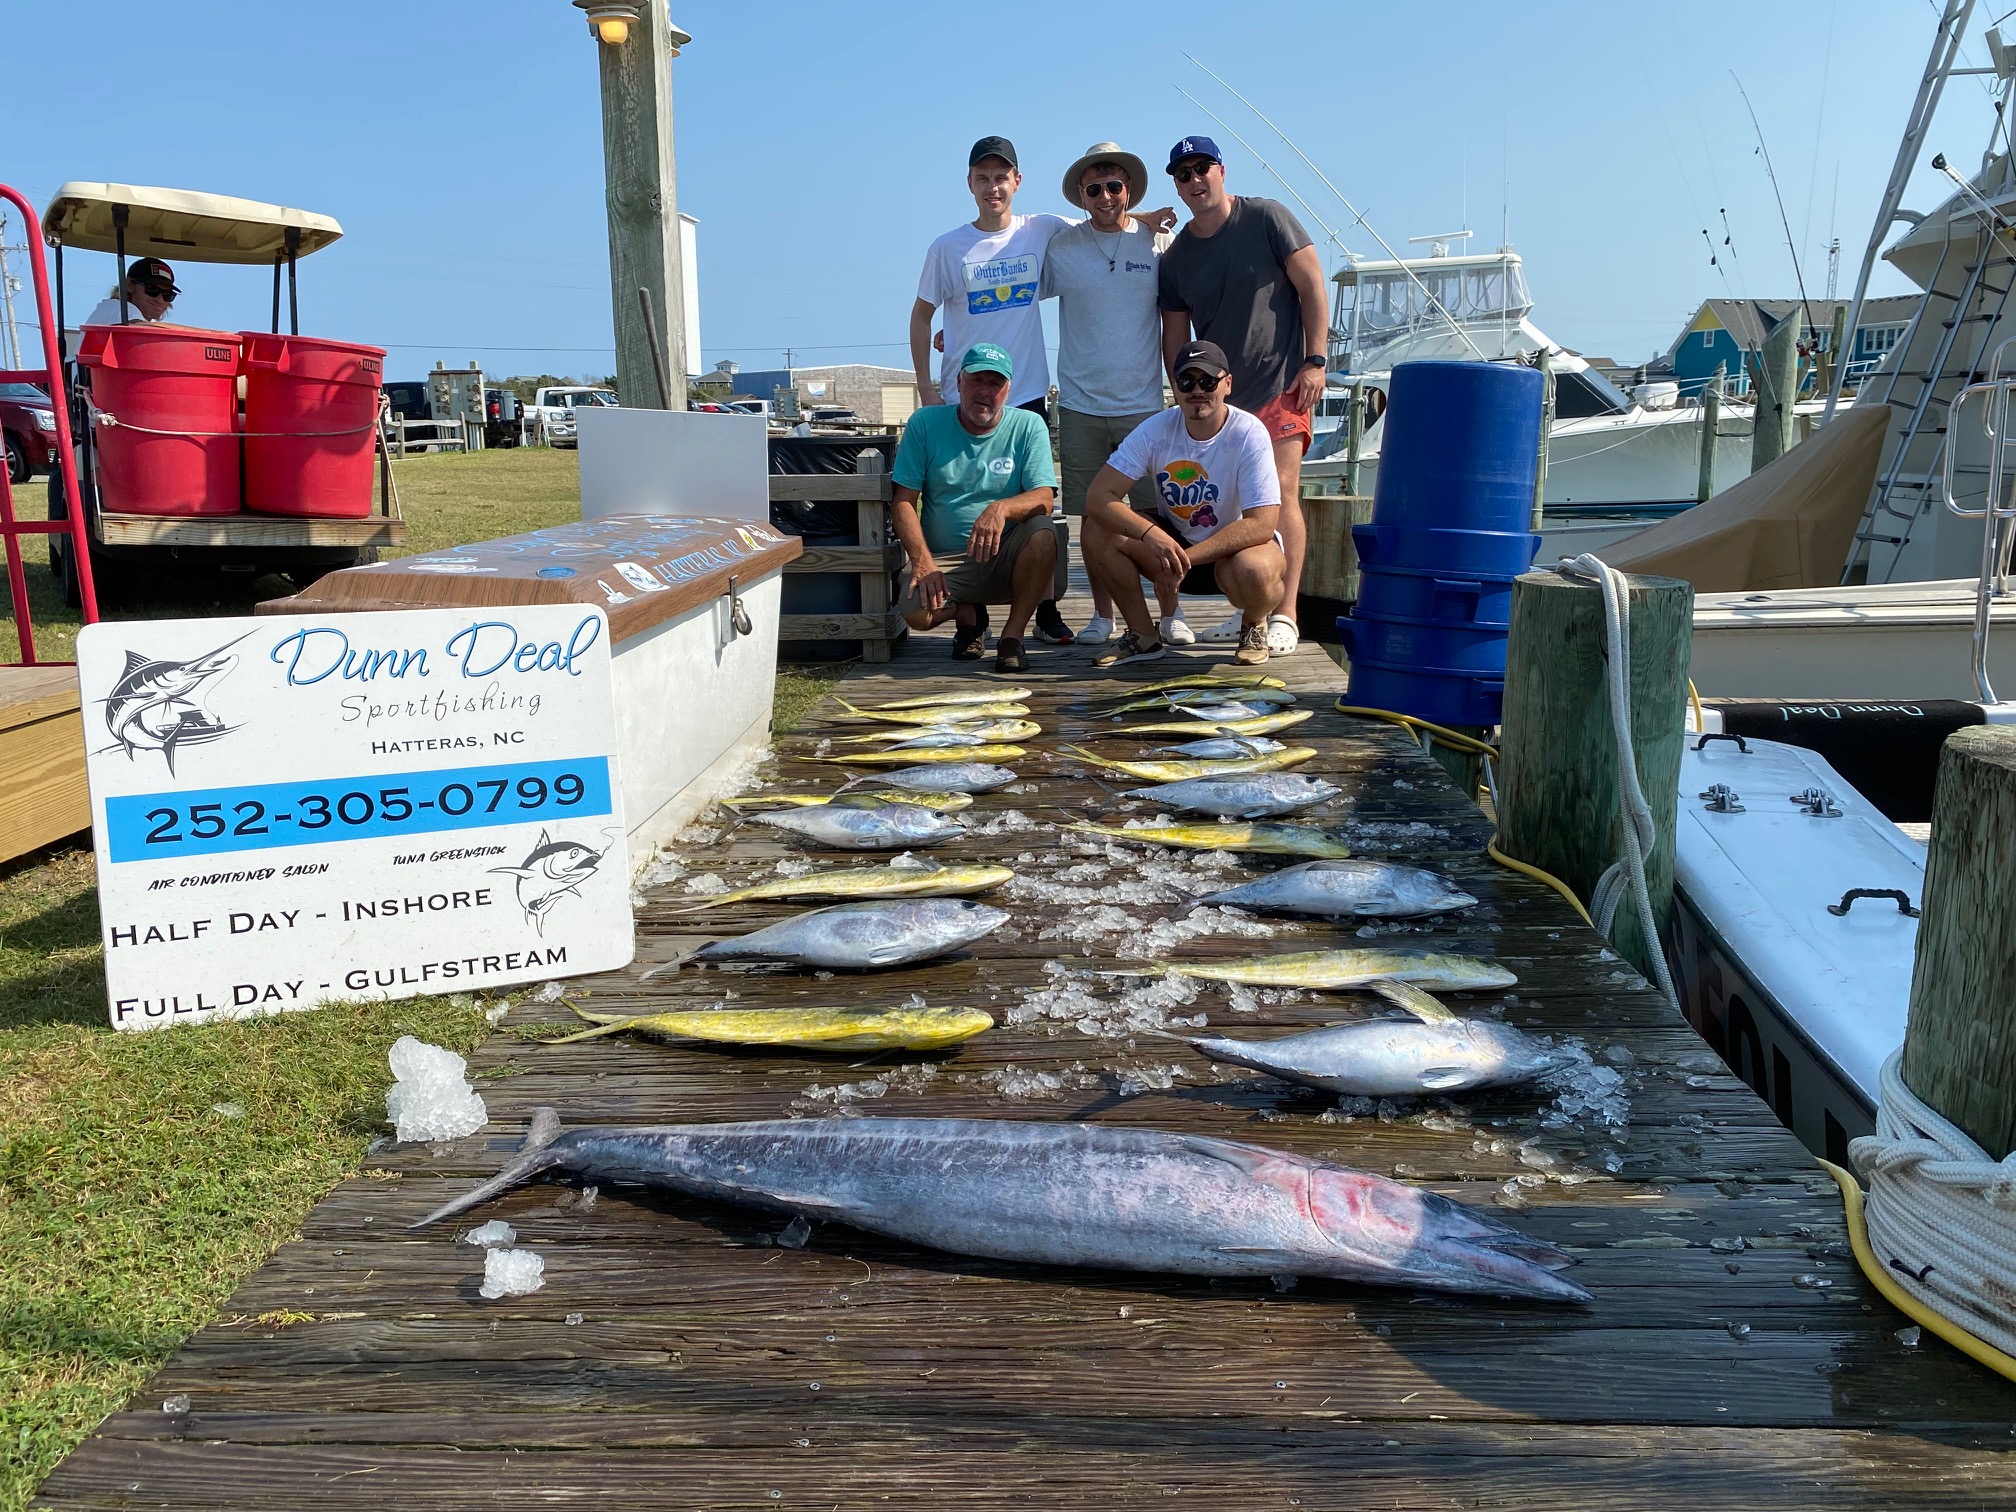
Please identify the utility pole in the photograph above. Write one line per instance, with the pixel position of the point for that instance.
(638, 42)
(8, 329)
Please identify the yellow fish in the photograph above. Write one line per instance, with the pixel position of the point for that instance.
(872, 798)
(957, 881)
(936, 700)
(945, 753)
(990, 729)
(932, 716)
(798, 1028)
(1183, 771)
(1203, 696)
(1259, 724)
(1208, 680)
(1340, 970)
(1254, 839)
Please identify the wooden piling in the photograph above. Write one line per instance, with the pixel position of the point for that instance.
(1711, 431)
(1960, 1036)
(1546, 425)
(1777, 390)
(1557, 773)
(1354, 439)
(1831, 359)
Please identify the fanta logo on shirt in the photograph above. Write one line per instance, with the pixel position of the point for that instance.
(1187, 492)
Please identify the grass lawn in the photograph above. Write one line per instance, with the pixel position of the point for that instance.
(142, 1176)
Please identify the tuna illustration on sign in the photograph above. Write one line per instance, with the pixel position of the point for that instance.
(157, 705)
(554, 869)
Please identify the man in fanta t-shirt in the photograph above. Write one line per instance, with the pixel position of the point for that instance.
(1218, 506)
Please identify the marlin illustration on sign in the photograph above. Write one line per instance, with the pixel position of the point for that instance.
(555, 869)
(156, 705)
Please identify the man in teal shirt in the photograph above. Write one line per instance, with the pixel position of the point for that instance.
(971, 495)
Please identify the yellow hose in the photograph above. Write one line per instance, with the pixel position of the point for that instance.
(1700, 717)
(1880, 1277)
(1538, 875)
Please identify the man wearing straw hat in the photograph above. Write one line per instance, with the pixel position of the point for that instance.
(1102, 272)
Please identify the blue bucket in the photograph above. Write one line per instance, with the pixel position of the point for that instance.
(1461, 447)
(1496, 553)
(1451, 598)
(1469, 649)
(1438, 695)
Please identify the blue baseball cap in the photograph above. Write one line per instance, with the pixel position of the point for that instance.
(1191, 147)
(985, 357)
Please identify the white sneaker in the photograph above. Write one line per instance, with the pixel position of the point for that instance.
(1176, 633)
(1283, 636)
(1098, 630)
(1229, 631)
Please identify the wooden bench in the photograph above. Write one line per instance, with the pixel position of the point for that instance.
(42, 795)
(873, 560)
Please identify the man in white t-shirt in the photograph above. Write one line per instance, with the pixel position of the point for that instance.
(1218, 506)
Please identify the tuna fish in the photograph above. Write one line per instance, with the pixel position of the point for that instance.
(1221, 745)
(904, 881)
(1064, 1194)
(797, 1028)
(858, 936)
(1182, 771)
(929, 718)
(1252, 839)
(869, 798)
(1247, 724)
(1396, 1057)
(1259, 796)
(962, 777)
(1336, 889)
(890, 827)
(956, 753)
(1341, 970)
(944, 700)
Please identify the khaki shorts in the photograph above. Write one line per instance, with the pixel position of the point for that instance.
(1084, 442)
(992, 581)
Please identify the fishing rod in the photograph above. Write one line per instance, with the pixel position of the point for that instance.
(1307, 208)
(1357, 215)
(1798, 277)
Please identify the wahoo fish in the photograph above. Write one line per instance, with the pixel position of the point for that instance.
(870, 882)
(156, 705)
(1181, 771)
(1336, 889)
(885, 828)
(943, 802)
(1185, 697)
(968, 776)
(1255, 724)
(857, 936)
(944, 700)
(1253, 839)
(951, 753)
(797, 1028)
(1048, 1193)
(1396, 1057)
(1260, 796)
(1222, 745)
(1341, 970)
(930, 717)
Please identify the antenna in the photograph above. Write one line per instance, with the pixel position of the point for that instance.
(1439, 243)
(1833, 266)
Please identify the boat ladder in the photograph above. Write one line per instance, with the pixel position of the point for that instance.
(1997, 513)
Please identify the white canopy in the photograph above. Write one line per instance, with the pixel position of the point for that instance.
(181, 224)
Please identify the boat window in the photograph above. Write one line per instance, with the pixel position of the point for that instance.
(1575, 398)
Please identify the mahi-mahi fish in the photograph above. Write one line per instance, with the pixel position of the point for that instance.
(1261, 795)
(1254, 724)
(905, 881)
(926, 737)
(870, 798)
(1221, 745)
(1341, 889)
(1251, 839)
(931, 717)
(1187, 697)
(796, 1028)
(1228, 680)
(1341, 970)
(860, 936)
(154, 705)
(1049, 1193)
(1181, 771)
(967, 754)
(884, 828)
(947, 700)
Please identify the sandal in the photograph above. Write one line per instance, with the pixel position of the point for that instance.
(1009, 656)
(967, 640)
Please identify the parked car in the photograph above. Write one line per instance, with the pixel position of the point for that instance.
(828, 414)
(410, 400)
(503, 418)
(29, 420)
(709, 407)
(553, 410)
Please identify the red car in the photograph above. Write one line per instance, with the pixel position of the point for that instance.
(29, 420)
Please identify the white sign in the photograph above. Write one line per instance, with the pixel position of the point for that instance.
(331, 808)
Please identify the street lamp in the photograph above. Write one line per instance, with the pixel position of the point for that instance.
(610, 22)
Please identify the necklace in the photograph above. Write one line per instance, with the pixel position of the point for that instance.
(1113, 252)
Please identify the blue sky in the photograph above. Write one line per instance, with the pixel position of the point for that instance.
(821, 146)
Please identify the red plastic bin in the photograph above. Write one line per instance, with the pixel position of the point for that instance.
(167, 399)
(311, 410)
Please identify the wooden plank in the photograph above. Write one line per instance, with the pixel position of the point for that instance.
(45, 793)
(249, 530)
(828, 488)
(887, 626)
(28, 694)
(873, 562)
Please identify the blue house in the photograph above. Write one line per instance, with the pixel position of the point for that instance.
(1730, 331)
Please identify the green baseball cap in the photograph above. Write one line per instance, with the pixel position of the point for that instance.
(985, 357)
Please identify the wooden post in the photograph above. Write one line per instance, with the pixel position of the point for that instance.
(1557, 776)
(871, 518)
(1711, 431)
(642, 193)
(1546, 425)
(1960, 1036)
(1354, 438)
(1831, 359)
(1777, 390)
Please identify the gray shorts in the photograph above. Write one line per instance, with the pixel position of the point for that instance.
(1084, 442)
(992, 581)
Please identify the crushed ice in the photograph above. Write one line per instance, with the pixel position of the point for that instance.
(705, 884)
(432, 1098)
(511, 1273)
(494, 1233)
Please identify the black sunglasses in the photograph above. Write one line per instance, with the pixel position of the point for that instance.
(156, 291)
(1191, 382)
(1113, 187)
(1186, 173)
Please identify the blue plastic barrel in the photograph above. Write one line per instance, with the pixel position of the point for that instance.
(1451, 528)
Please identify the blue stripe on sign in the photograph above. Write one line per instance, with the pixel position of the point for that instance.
(267, 815)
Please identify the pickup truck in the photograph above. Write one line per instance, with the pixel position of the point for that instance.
(553, 410)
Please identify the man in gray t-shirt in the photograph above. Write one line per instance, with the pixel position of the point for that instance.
(1244, 275)
(1102, 272)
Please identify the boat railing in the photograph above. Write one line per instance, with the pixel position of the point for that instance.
(1998, 504)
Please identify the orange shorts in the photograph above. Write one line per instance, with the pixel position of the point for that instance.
(1283, 420)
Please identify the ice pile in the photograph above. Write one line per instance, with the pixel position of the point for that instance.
(660, 869)
(511, 1273)
(1009, 822)
(495, 1234)
(1068, 999)
(911, 1079)
(1132, 1081)
(705, 885)
(792, 866)
(432, 1098)
(1592, 1097)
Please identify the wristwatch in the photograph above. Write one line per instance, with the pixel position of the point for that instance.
(1315, 362)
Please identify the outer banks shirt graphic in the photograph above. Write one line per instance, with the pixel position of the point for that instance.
(1002, 283)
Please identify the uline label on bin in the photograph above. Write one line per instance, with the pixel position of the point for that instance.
(303, 810)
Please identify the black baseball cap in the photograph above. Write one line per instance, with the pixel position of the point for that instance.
(152, 270)
(993, 146)
(1205, 356)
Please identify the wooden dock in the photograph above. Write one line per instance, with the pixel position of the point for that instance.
(680, 1357)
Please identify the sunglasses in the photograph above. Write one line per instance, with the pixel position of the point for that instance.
(1113, 187)
(1186, 173)
(1191, 382)
(156, 291)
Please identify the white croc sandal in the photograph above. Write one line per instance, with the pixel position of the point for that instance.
(1229, 631)
(1283, 636)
